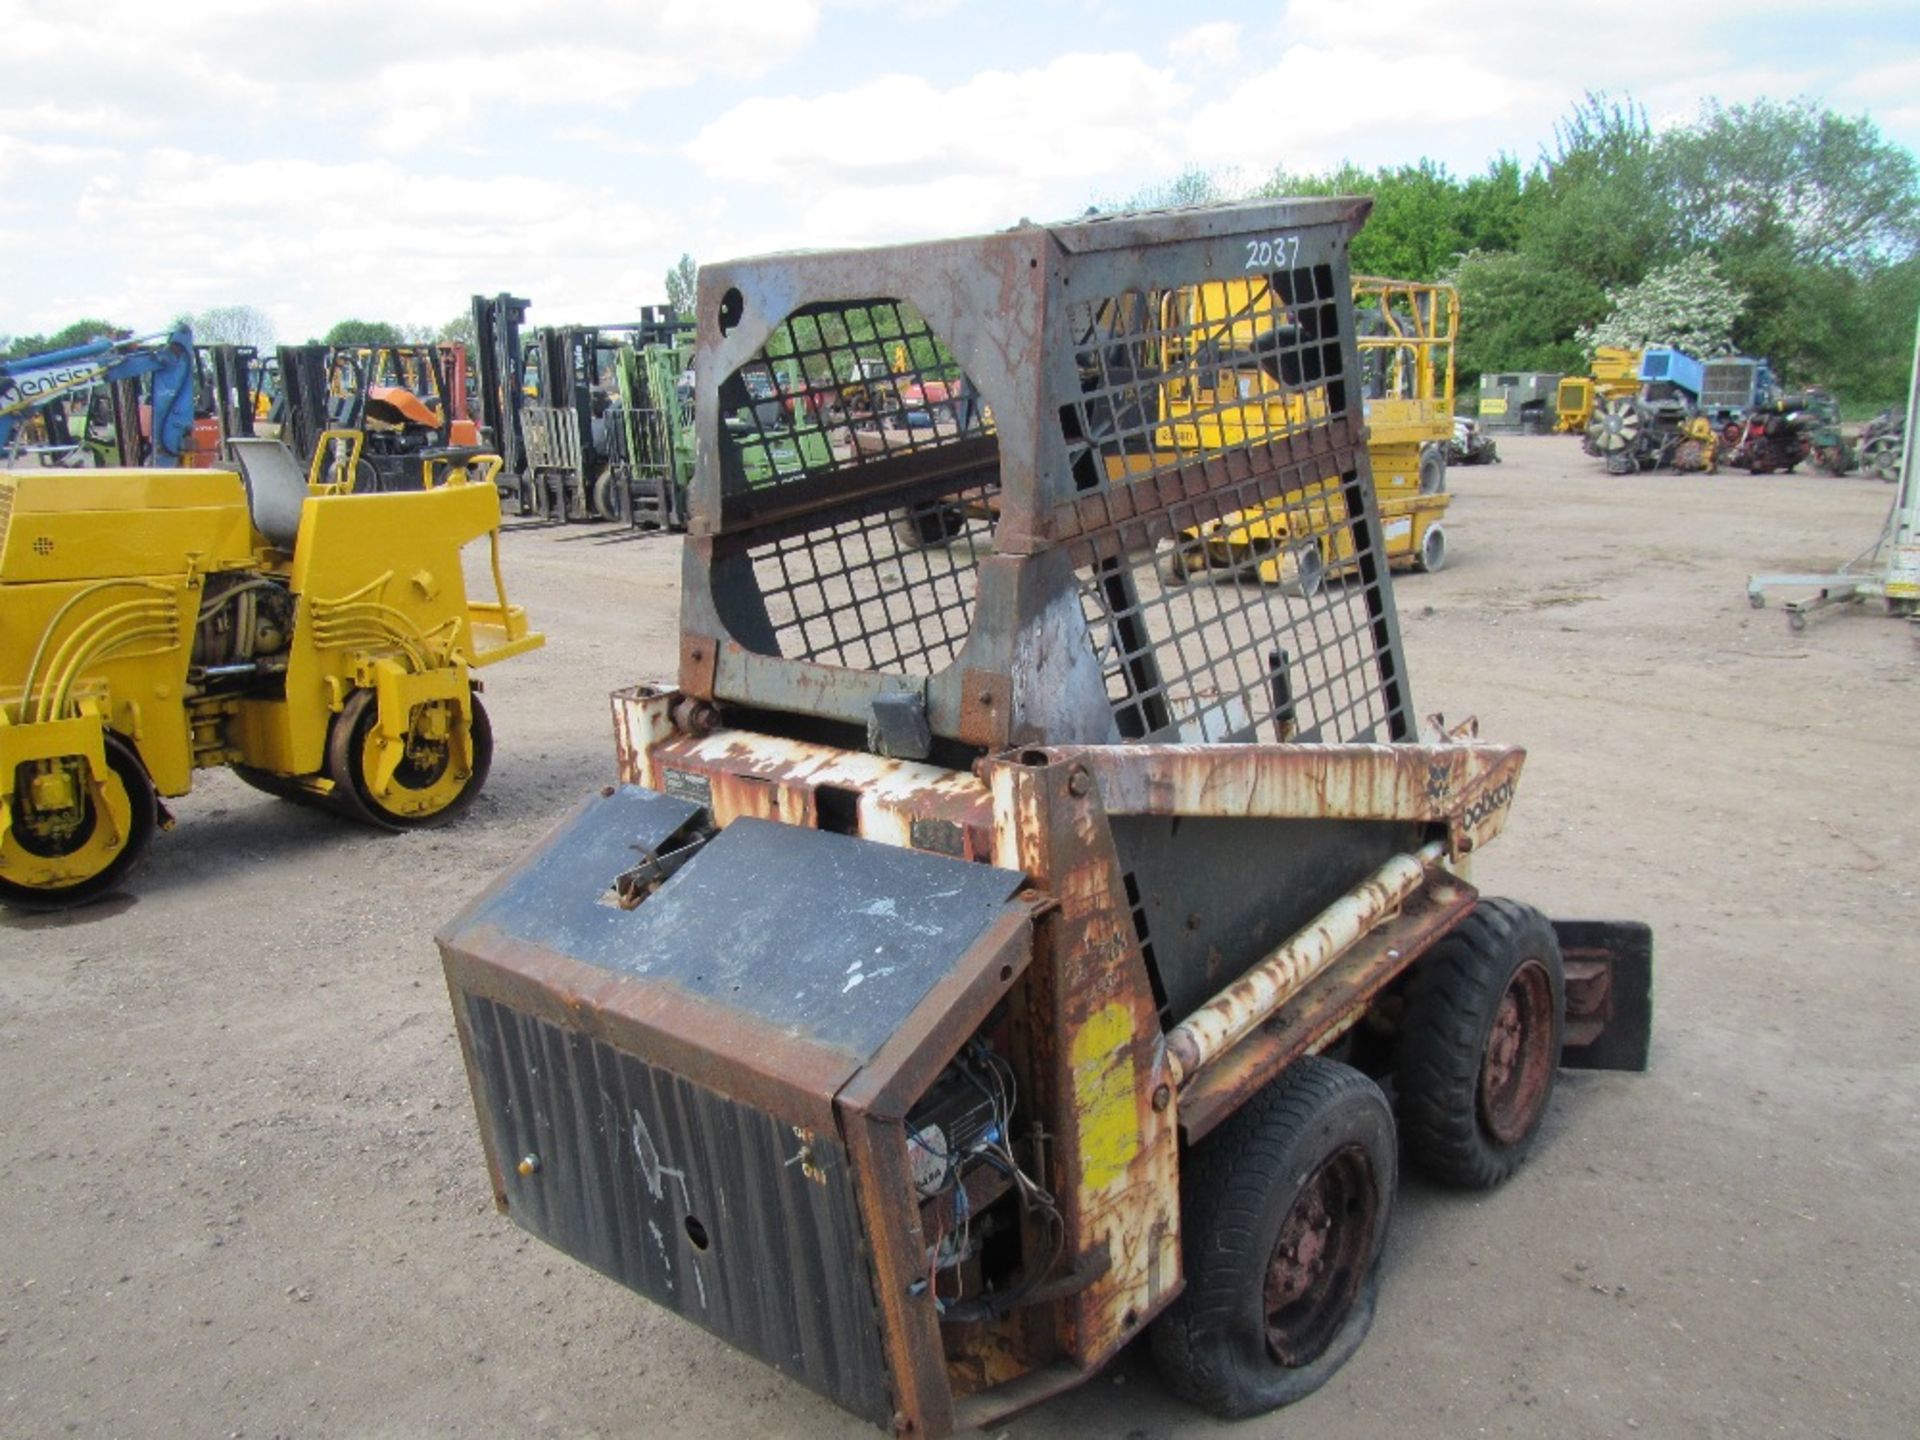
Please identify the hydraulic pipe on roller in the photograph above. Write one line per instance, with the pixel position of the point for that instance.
(1247, 1004)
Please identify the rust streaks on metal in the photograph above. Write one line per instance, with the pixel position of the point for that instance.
(1251, 1000)
(701, 1040)
(1322, 1010)
(1469, 785)
(1589, 984)
(770, 778)
(1116, 1167)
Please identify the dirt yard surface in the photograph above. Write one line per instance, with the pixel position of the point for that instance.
(246, 1196)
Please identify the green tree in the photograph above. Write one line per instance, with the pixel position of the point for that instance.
(682, 285)
(1518, 313)
(1688, 305)
(1192, 186)
(1796, 181)
(1599, 209)
(80, 332)
(232, 325)
(459, 330)
(1810, 216)
(363, 332)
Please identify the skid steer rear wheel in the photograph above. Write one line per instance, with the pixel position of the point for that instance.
(92, 855)
(427, 787)
(1284, 1211)
(1479, 1045)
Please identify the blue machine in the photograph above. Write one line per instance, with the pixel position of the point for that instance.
(36, 380)
(1722, 388)
(1660, 363)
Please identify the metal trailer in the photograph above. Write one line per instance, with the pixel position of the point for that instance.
(988, 955)
(1518, 402)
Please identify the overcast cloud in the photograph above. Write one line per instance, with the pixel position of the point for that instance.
(387, 161)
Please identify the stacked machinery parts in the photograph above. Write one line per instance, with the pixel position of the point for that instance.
(1882, 441)
(158, 622)
(1031, 937)
(1616, 375)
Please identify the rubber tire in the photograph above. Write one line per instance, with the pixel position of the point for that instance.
(345, 742)
(1451, 999)
(1236, 1189)
(281, 787)
(1432, 554)
(1433, 469)
(124, 761)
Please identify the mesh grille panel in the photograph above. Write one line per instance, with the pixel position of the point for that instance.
(1171, 377)
(839, 386)
(1252, 624)
(888, 592)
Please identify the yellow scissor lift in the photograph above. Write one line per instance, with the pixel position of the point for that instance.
(1405, 337)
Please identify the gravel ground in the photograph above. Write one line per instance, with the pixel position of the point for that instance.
(248, 1198)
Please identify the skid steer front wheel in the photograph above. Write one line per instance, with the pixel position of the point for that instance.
(430, 784)
(54, 858)
(1283, 1214)
(1479, 1045)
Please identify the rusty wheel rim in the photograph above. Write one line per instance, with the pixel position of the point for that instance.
(1517, 1068)
(1320, 1258)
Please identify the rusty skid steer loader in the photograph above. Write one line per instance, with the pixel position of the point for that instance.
(988, 955)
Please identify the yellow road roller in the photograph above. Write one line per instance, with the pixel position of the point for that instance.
(157, 622)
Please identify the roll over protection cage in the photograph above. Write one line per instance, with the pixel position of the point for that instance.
(1045, 406)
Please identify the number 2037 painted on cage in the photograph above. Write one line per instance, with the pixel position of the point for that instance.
(1278, 253)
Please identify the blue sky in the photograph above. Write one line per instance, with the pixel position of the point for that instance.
(387, 161)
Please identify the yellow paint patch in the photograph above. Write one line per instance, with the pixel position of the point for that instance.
(1104, 1098)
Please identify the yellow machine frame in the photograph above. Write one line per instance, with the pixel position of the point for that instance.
(148, 628)
(1407, 366)
(1616, 372)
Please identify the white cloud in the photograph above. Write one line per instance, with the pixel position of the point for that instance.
(1301, 112)
(898, 155)
(1209, 42)
(422, 69)
(313, 242)
(388, 160)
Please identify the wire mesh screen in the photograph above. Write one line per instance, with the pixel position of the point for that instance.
(1248, 609)
(1254, 623)
(890, 592)
(863, 512)
(1190, 373)
(859, 410)
(843, 385)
